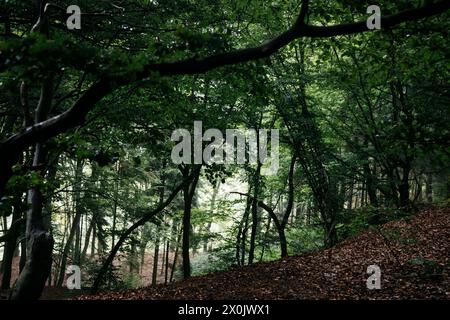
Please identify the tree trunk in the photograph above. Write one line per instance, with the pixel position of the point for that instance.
(39, 245)
(429, 187)
(186, 233)
(10, 245)
(155, 260)
(211, 210)
(87, 239)
(23, 255)
(371, 186)
(166, 271)
(74, 227)
(163, 256)
(147, 216)
(242, 230)
(251, 251)
(94, 235)
(188, 194)
(143, 247)
(403, 188)
(116, 196)
(175, 257)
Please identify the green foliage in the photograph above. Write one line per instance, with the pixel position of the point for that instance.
(425, 268)
(353, 222)
(304, 239)
(360, 113)
(113, 280)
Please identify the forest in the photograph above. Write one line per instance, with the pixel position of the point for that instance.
(213, 149)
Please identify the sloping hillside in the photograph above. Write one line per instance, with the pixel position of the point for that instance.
(414, 257)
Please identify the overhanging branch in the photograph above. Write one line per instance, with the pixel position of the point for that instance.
(77, 113)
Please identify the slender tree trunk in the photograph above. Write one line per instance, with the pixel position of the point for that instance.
(211, 210)
(175, 257)
(283, 242)
(242, 230)
(147, 216)
(163, 261)
(10, 245)
(5, 223)
(429, 187)
(371, 186)
(143, 247)
(188, 194)
(263, 249)
(87, 239)
(403, 188)
(94, 235)
(186, 233)
(116, 195)
(166, 271)
(77, 247)
(133, 262)
(155, 260)
(75, 224)
(251, 251)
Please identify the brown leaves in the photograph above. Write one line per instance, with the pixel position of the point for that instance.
(414, 257)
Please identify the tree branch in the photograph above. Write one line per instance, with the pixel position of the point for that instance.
(146, 217)
(77, 113)
(264, 206)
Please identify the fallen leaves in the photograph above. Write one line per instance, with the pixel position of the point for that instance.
(335, 273)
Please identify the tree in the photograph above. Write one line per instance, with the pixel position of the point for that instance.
(65, 81)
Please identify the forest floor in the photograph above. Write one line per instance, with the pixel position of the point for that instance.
(413, 254)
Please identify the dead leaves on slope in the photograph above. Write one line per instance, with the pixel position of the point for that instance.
(414, 257)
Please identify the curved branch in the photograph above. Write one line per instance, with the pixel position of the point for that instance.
(133, 227)
(12, 229)
(77, 113)
(298, 30)
(264, 206)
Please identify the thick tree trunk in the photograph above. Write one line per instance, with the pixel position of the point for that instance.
(39, 246)
(39, 242)
(23, 255)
